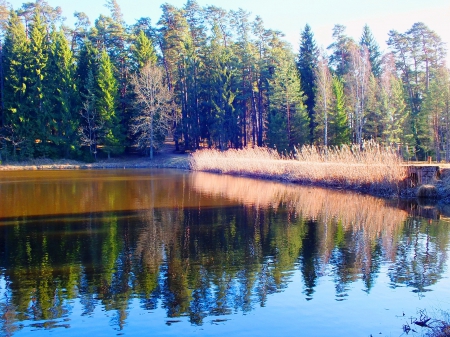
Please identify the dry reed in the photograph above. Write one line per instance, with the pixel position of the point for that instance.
(374, 168)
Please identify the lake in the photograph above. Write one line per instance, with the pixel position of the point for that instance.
(169, 253)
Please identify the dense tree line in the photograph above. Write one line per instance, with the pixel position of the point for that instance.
(71, 92)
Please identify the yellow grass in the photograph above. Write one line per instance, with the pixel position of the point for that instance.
(378, 169)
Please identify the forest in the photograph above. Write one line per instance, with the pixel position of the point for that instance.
(211, 78)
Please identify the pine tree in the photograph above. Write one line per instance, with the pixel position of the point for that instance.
(193, 51)
(173, 38)
(264, 42)
(306, 64)
(434, 112)
(418, 53)
(245, 52)
(444, 74)
(80, 32)
(340, 48)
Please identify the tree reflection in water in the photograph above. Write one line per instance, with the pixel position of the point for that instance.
(222, 246)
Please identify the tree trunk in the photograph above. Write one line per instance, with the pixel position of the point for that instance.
(151, 141)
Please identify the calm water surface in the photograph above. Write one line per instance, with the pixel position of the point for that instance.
(172, 253)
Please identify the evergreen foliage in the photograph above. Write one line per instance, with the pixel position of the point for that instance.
(368, 40)
(233, 82)
(339, 128)
(307, 63)
(112, 137)
(289, 122)
(143, 51)
(14, 120)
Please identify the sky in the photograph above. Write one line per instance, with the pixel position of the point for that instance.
(290, 16)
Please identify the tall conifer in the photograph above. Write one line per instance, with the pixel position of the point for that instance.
(289, 120)
(112, 133)
(368, 40)
(339, 128)
(14, 118)
(61, 100)
(307, 63)
(143, 51)
(37, 58)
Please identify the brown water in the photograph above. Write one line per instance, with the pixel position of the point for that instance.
(172, 252)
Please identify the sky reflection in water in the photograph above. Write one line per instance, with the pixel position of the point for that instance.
(169, 252)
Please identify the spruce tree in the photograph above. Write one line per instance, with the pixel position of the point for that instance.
(37, 58)
(15, 127)
(110, 34)
(287, 109)
(374, 126)
(306, 64)
(223, 113)
(245, 63)
(143, 51)
(395, 112)
(87, 62)
(112, 134)
(91, 124)
(61, 95)
(368, 40)
(339, 128)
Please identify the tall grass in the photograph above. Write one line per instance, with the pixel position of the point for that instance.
(374, 168)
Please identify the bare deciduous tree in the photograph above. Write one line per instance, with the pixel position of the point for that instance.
(357, 80)
(91, 126)
(323, 97)
(154, 107)
(9, 134)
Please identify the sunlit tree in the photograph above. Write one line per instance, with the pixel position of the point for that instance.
(153, 110)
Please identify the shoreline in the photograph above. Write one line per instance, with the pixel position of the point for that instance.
(183, 162)
(175, 161)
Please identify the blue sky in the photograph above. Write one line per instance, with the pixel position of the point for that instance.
(290, 16)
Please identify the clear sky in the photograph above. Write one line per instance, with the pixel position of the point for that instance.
(290, 16)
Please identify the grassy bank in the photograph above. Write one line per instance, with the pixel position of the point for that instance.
(377, 170)
(177, 161)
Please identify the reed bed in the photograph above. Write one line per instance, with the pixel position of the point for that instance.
(374, 168)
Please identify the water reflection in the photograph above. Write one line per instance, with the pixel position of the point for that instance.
(197, 245)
